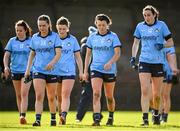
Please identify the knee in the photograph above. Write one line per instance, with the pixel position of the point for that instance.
(166, 94)
(166, 97)
(51, 99)
(156, 95)
(145, 93)
(39, 97)
(65, 96)
(18, 97)
(24, 95)
(59, 99)
(96, 95)
(109, 100)
(157, 98)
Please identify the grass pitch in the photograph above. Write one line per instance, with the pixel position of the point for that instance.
(126, 121)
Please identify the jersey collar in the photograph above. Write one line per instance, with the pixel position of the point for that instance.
(108, 32)
(49, 33)
(150, 24)
(68, 36)
(21, 40)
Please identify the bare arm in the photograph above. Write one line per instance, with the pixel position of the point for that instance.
(54, 60)
(172, 63)
(135, 47)
(87, 62)
(6, 64)
(79, 64)
(115, 57)
(169, 43)
(30, 59)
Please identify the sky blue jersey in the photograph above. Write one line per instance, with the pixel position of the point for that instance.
(150, 35)
(166, 66)
(19, 54)
(102, 47)
(44, 48)
(67, 64)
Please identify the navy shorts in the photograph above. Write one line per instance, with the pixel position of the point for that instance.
(47, 78)
(156, 70)
(61, 78)
(106, 77)
(17, 76)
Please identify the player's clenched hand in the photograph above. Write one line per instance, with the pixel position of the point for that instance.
(86, 76)
(49, 66)
(107, 66)
(80, 77)
(6, 72)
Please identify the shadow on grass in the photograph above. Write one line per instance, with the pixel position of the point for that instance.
(122, 126)
(16, 127)
(81, 126)
(150, 126)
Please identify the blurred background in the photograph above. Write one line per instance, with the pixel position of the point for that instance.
(125, 14)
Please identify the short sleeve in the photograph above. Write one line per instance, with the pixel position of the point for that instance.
(165, 30)
(116, 41)
(57, 43)
(9, 46)
(137, 33)
(31, 45)
(89, 43)
(76, 45)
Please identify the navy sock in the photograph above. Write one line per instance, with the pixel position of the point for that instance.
(97, 117)
(111, 114)
(165, 115)
(63, 114)
(53, 116)
(23, 114)
(145, 116)
(38, 117)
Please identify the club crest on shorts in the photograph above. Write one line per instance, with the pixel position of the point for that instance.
(92, 73)
(36, 73)
(141, 67)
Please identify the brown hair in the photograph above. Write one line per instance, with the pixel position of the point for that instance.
(153, 10)
(47, 19)
(63, 21)
(104, 17)
(25, 26)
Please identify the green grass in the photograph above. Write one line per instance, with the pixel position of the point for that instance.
(123, 121)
